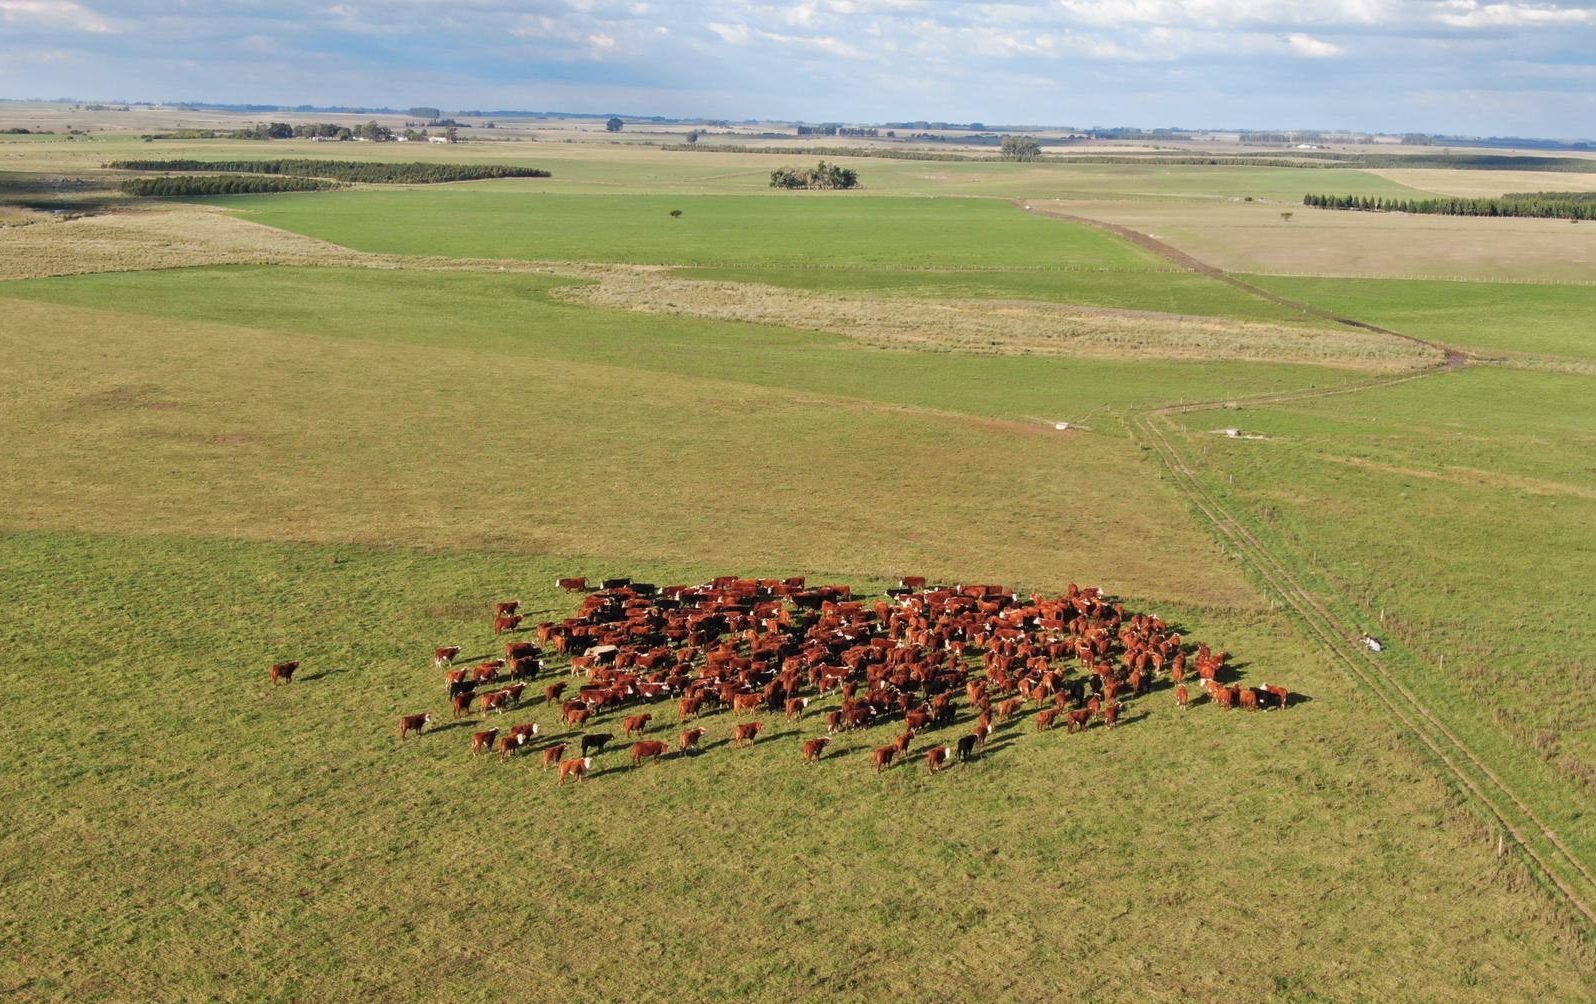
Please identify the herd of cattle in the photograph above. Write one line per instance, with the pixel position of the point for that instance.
(755, 647)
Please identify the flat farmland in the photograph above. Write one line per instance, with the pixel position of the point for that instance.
(342, 447)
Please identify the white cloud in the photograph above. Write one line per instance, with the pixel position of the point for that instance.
(1312, 48)
(1471, 14)
(54, 14)
(732, 34)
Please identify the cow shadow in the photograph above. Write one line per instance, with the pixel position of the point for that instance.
(319, 674)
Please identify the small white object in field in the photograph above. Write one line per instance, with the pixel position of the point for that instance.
(1373, 643)
(1027, 208)
(1061, 426)
(1233, 433)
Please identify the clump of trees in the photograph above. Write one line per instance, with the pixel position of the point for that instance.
(822, 176)
(613, 124)
(373, 173)
(177, 186)
(1537, 205)
(1020, 148)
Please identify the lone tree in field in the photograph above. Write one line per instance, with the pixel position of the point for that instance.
(614, 124)
(676, 214)
(1020, 148)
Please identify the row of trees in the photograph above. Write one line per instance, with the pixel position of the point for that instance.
(374, 172)
(1539, 205)
(1020, 148)
(821, 176)
(177, 186)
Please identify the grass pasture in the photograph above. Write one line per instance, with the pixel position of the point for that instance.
(1276, 856)
(342, 440)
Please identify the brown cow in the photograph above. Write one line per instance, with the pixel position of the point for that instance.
(453, 677)
(1077, 720)
(883, 757)
(576, 717)
(747, 702)
(814, 749)
(552, 692)
(1111, 714)
(481, 742)
(795, 708)
(649, 750)
(571, 585)
(1007, 709)
(637, 723)
(513, 693)
(1226, 696)
(413, 723)
(688, 707)
(576, 767)
(1044, 719)
(462, 703)
(690, 738)
(442, 657)
(495, 701)
(551, 756)
(509, 744)
(936, 758)
(748, 732)
(1182, 696)
(503, 624)
(901, 744)
(506, 608)
(528, 729)
(1279, 693)
(1249, 698)
(486, 672)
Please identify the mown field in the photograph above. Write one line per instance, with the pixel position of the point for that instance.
(210, 469)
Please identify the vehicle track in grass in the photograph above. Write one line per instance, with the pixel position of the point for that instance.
(1540, 845)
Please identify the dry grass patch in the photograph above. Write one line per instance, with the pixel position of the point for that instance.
(998, 327)
(1252, 237)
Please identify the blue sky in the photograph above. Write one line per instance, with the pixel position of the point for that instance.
(1456, 66)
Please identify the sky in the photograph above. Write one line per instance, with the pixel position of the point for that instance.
(1467, 67)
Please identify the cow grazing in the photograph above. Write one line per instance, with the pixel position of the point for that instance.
(551, 756)
(1279, 693)
(462, 703)
(481, 742)
(936, 758)
(1111, 714)
(689, 740)
(649, 750)
(495, 702)
(594, 742)
(577, 717)
(746, 733)
(901, 744)
(1249, 698)
(413, 723)
(486, 672)
(1077, 720)
(528, 729)
(1182, 696)
(883, 757)
(510, 743)
(508, 623)
(513, 693)
(506, 608)
(552, 692)
(795, 708)
(442, 657)
(577, 768)
(1008, 708)
(637, 723)
(453, 677)
(284, 671)
(814, 749)
(1044, 719)
(967, 746)
(571, 585)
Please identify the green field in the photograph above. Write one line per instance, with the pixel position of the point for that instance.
(1521, 318)
(211, 469)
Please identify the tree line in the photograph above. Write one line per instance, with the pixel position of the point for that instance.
(373, 172)
(177, 186)
(1536, 205)
(822, 176)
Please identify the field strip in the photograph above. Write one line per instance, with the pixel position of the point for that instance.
(1411, 712)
